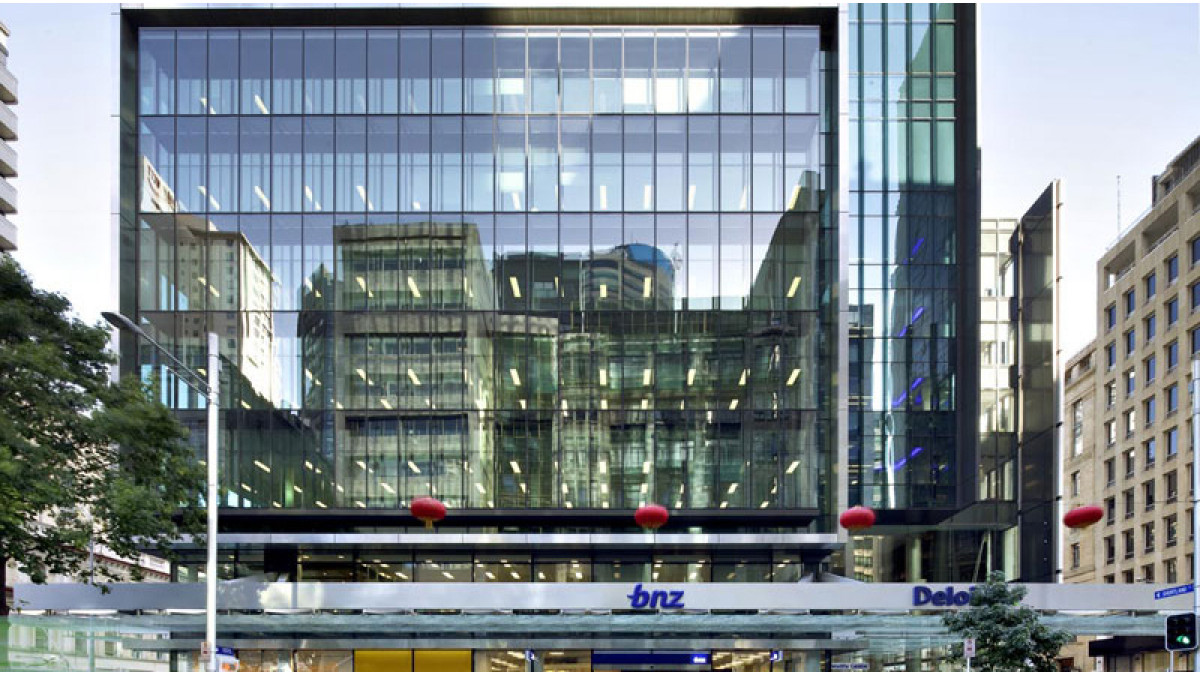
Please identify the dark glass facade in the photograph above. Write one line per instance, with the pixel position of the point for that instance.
(518, 267)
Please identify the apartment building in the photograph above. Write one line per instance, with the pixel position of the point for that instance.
(1126, 402)
(8, 156)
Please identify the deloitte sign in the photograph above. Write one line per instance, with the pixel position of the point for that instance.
(924, 595)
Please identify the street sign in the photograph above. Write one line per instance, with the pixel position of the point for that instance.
(969, 648)
(1172, 592)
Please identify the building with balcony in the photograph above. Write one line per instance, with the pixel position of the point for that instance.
(8, 156)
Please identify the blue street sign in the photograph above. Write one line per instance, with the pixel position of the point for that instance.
(1172, 592)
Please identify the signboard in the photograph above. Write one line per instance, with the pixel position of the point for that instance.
(969, 648)
(1172, 592)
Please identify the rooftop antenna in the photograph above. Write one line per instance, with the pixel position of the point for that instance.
(1118, 205)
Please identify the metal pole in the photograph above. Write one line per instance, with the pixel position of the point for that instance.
(211, 502)
(1195, 494)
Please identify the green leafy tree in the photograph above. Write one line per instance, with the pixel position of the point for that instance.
(1008, 636)
(83, 460)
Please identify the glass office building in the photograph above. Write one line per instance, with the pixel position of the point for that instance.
(550, 265)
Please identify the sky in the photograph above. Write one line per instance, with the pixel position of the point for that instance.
(1082, 93)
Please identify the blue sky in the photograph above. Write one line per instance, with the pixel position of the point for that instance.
(1077, 92)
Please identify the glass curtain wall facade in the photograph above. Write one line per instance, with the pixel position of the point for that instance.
(516, 267)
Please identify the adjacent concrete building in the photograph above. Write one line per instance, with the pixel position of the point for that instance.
(8, 156)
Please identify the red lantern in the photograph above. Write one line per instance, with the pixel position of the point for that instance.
(1083, 516)
(857, 518)
(428, 510)
(651, 516)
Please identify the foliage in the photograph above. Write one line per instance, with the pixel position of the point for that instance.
(1008, 636)
(82, 459)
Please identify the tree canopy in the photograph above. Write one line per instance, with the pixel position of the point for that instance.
(83, 459)
(1008, 636)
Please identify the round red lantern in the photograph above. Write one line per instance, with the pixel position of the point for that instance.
(857, 518)
(428, 510)
(1083, 516)
(651, 516)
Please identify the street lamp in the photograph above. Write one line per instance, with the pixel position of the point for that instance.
(212, 393)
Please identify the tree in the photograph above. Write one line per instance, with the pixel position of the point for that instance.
(1008, 636)
(83, 460)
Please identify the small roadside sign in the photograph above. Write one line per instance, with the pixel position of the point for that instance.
(969, 648)
(1172, 592)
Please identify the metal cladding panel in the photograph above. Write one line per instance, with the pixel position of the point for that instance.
(592, 596)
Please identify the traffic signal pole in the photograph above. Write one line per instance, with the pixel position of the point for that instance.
(1195, 495)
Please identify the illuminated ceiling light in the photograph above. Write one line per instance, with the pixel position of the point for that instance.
(644, 488)
(416, 205)
(320, 504)
(524, 488)
(742, 379)
(515, 467)
(647, 375)
(604, 377)
(794, 287)
(262, 466)
(413, 376)
(732, 488)
(413, 466)
(603, 466)
(482, 490)
(646, 287)
(733, 404)
(579, 575)
(387, 488)
(262, 197)
(308, 194)
(646, 467)
(245, 405)
(604, 404)
(516, 377)
(691, 376)
(490, 575)
(792, 378)
(448, 575)
(792, 467)
(412, 286)
(645, 404)
(361, 373)
(384, 402)
(604, 488)
(724, 505)
(359, 504)
(297, 489)
(516, 287)
(604, 504)
(361, 464)
(708, 416)
(308, 465)
(603, 290)
(262, 107)
(763, 505)
(276, 505)
(565, 489)
(339, 487)
(521, 402)
(247, 488)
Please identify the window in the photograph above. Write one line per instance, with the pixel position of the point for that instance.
(1148, 494)
(1130, 418)
(1110, 578)
(1130, 545)
(1074, 556)
(1130, 342)
(1172, 441)
(1130, 303)
(1151, 366)
(1151, 284)
(1110, 355)
(1172, 311)
(1194, 339)
(1194, 289)
(1130, 382)
(1110, 510)
(1172, 482)
(1172, 355)
(1172, 393)
(1075, 484)
(1149, 452)
(1148, 537)
(1171, 570)
(1150, 407)
(1110, 472)
(1129, 503)
(1171, 528)
(1130, 463)
(1151, 328)
(1110, 432)
(1195, 243)
(1076, 428)
(1110, 395)
(1110, 317)
(1127, 575)
(1110, 549)
(1148, 570)
(1172, 269)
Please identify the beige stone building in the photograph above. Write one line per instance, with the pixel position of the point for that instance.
(1126, 434)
